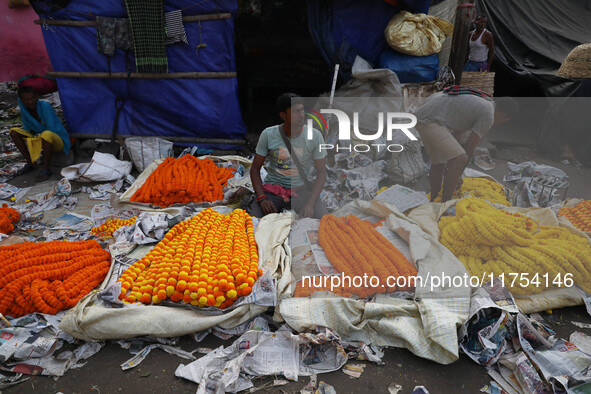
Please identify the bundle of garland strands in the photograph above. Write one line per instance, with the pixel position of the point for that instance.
(482, 188)
(355, 248)
(184, 180)
(492, 241)
(8, 217)
(110, 226)
(210, 259)
(49, 277)
(579, 215)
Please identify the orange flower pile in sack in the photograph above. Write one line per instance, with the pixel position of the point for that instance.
(8, 217)
(579, 215)
(355, 248)
(210, 259)
(49, 277)
(110, 226)
(184, 180)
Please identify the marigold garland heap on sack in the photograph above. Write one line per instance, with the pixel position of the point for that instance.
(210, 259)
(49, 277)
(355, 248)
(8, 217)
(182, 181)
(492, 241)
(579, 215)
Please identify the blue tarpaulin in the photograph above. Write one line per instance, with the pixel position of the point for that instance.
(343, 29)
(198, 108)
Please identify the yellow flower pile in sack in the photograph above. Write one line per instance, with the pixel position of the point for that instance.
(482, 188)
(528, 257)
(417, 34)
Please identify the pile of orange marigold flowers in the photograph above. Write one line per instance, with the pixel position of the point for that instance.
(110, 226)
(49, 277)
(182, 181)
(579, 215)
(210, 259)
(8, 217)
(355, 248)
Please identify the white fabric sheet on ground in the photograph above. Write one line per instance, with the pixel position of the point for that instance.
(91, 321)
(428, 215)
(426, 325)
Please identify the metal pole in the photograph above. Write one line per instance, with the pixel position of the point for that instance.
(222, 141)
(465, 14)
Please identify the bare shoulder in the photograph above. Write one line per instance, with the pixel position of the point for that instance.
(488, 35)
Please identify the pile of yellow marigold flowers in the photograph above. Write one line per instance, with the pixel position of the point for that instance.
(110, 226)
(482, 188)
(488, 240)
(210, 259)
(579, 215)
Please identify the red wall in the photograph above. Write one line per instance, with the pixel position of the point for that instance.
(22, 50)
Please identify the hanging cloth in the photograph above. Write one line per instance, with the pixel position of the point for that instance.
(112, 33)
(175, 29)
(147, 28)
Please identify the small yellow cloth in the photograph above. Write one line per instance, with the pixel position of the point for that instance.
(34, 144)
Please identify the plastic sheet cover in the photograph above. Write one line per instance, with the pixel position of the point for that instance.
(533, 37)
(199, 108)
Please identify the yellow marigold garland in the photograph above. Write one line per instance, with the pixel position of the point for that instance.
(579, 215)
(110, 226)
(480, 188)
(210, 259)
(486, 239)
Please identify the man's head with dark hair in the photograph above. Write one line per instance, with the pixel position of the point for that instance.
(29, 97)
(480, 21)
(287, 100)
(26, 89)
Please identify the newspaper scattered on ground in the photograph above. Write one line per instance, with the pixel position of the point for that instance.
(402, 197)
(521, 354)
(139, 357)
(531, 178)
(260, 353)
(31, 345)
(47, 201)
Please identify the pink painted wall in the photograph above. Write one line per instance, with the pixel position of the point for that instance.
(22, 49)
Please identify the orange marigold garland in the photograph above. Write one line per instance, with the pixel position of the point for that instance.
(210, 259)
(184, 180)
(110, 226)
(354, 247)
(579, 215)
(49, 277)
(8, 217)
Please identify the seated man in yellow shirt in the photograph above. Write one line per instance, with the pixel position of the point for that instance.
(42, 131)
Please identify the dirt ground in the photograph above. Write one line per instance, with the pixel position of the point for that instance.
(103, 374)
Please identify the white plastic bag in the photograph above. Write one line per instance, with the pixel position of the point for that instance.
(144, 150)
(102, 168)
(407, 166)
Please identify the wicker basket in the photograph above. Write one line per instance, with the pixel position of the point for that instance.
(484, 81)
(577, 63)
